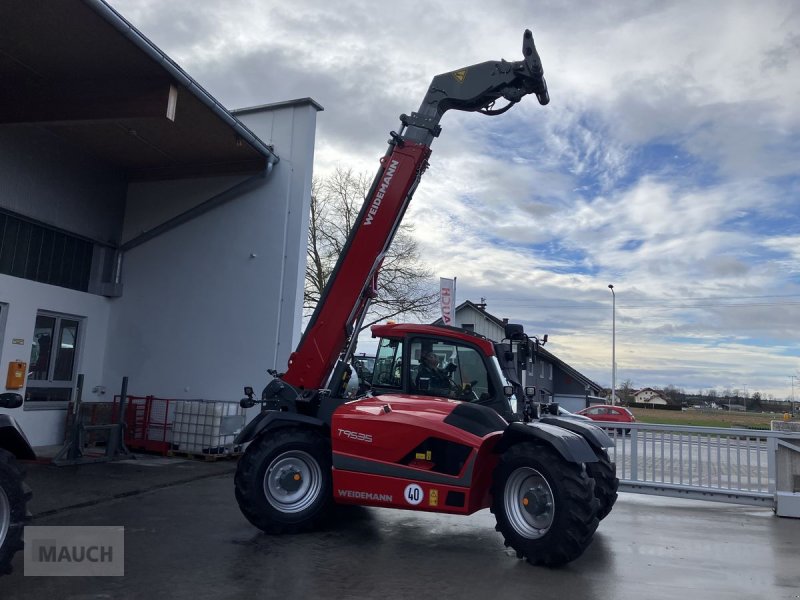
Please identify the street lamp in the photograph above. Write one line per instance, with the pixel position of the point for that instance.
(613, 343)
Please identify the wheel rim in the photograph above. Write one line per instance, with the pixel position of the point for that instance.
(292, 481)
(5, 516)
(529, 503)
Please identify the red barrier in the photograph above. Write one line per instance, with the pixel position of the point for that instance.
(148, 423)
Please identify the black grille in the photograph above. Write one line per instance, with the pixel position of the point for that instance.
(42, 254)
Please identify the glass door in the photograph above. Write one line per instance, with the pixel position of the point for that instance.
(51, 374)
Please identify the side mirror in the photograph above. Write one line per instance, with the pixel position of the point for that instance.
(530, 390)
(508, 390)
(250, 400)
(10, 400)
(514, 331)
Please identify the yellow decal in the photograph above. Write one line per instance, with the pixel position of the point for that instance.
(428, 455)
(460, 75)
(420, 456)
(433, 497)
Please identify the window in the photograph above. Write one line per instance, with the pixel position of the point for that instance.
(388, 364)
(551, 371)
(43, 254)
(52, 365)
(468, 326)
(442, 368)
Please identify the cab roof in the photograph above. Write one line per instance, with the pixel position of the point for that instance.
(399, 330)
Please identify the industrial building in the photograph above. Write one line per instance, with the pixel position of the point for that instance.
(145, 230)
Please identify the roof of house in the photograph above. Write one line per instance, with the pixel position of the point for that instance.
(572, 372)
(478, 308)
(82, 72)
(647, 389)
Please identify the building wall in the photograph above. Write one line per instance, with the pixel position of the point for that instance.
(650, 396)
(22, 299)
(539, 374)
(210, 305)
(53, 182)
(483, 325)
(568, 385)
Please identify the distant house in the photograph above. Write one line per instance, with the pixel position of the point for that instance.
(474, 317)
(649, 396)
(555, 380)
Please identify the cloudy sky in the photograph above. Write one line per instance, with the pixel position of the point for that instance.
(666, 163)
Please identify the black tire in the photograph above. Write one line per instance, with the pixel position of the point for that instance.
(14, 497)
(560, 524)
(604, 473)
(283, 481)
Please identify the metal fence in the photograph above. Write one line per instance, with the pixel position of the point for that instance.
(706, 463)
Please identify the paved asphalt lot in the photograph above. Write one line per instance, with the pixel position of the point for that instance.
(189, 541)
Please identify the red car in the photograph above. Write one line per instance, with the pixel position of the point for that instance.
(609, 414)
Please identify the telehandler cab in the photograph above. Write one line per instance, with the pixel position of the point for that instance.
(410, 443)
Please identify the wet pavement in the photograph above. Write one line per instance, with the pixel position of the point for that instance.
(188, 540)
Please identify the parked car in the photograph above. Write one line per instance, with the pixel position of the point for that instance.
(609, 414)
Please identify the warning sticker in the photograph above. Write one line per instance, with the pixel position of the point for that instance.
(413, 494)
(460, 76)
(433, 497)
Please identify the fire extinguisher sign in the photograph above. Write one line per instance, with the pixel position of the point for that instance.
(413, 494)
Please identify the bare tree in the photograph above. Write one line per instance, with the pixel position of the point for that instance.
(626, 391)
(405, 285)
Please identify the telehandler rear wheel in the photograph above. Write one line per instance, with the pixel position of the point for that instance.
(14, 496)
(283, 481)
(604, 473)
(545, 506)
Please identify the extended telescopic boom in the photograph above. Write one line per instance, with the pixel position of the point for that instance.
(332, 332)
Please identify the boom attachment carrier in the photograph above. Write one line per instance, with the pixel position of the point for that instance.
(318, 373)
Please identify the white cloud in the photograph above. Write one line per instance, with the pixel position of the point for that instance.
(666, 163)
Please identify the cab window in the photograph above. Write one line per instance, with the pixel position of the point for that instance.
(446, 369)
(388, 364)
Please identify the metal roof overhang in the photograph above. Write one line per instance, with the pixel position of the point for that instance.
(81, 71)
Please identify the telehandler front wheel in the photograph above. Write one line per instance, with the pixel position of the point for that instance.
(14, 496)
(604, 473)
(545, 506)
(283, 481)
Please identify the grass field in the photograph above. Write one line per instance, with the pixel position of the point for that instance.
(716, 418)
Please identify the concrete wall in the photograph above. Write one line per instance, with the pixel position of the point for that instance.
(53, 182)
(22, 299)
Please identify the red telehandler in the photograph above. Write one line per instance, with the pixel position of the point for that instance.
(438, 431)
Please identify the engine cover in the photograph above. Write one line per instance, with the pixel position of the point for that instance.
(414, 452)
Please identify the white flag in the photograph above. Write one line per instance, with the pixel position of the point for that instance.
(448, 300)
